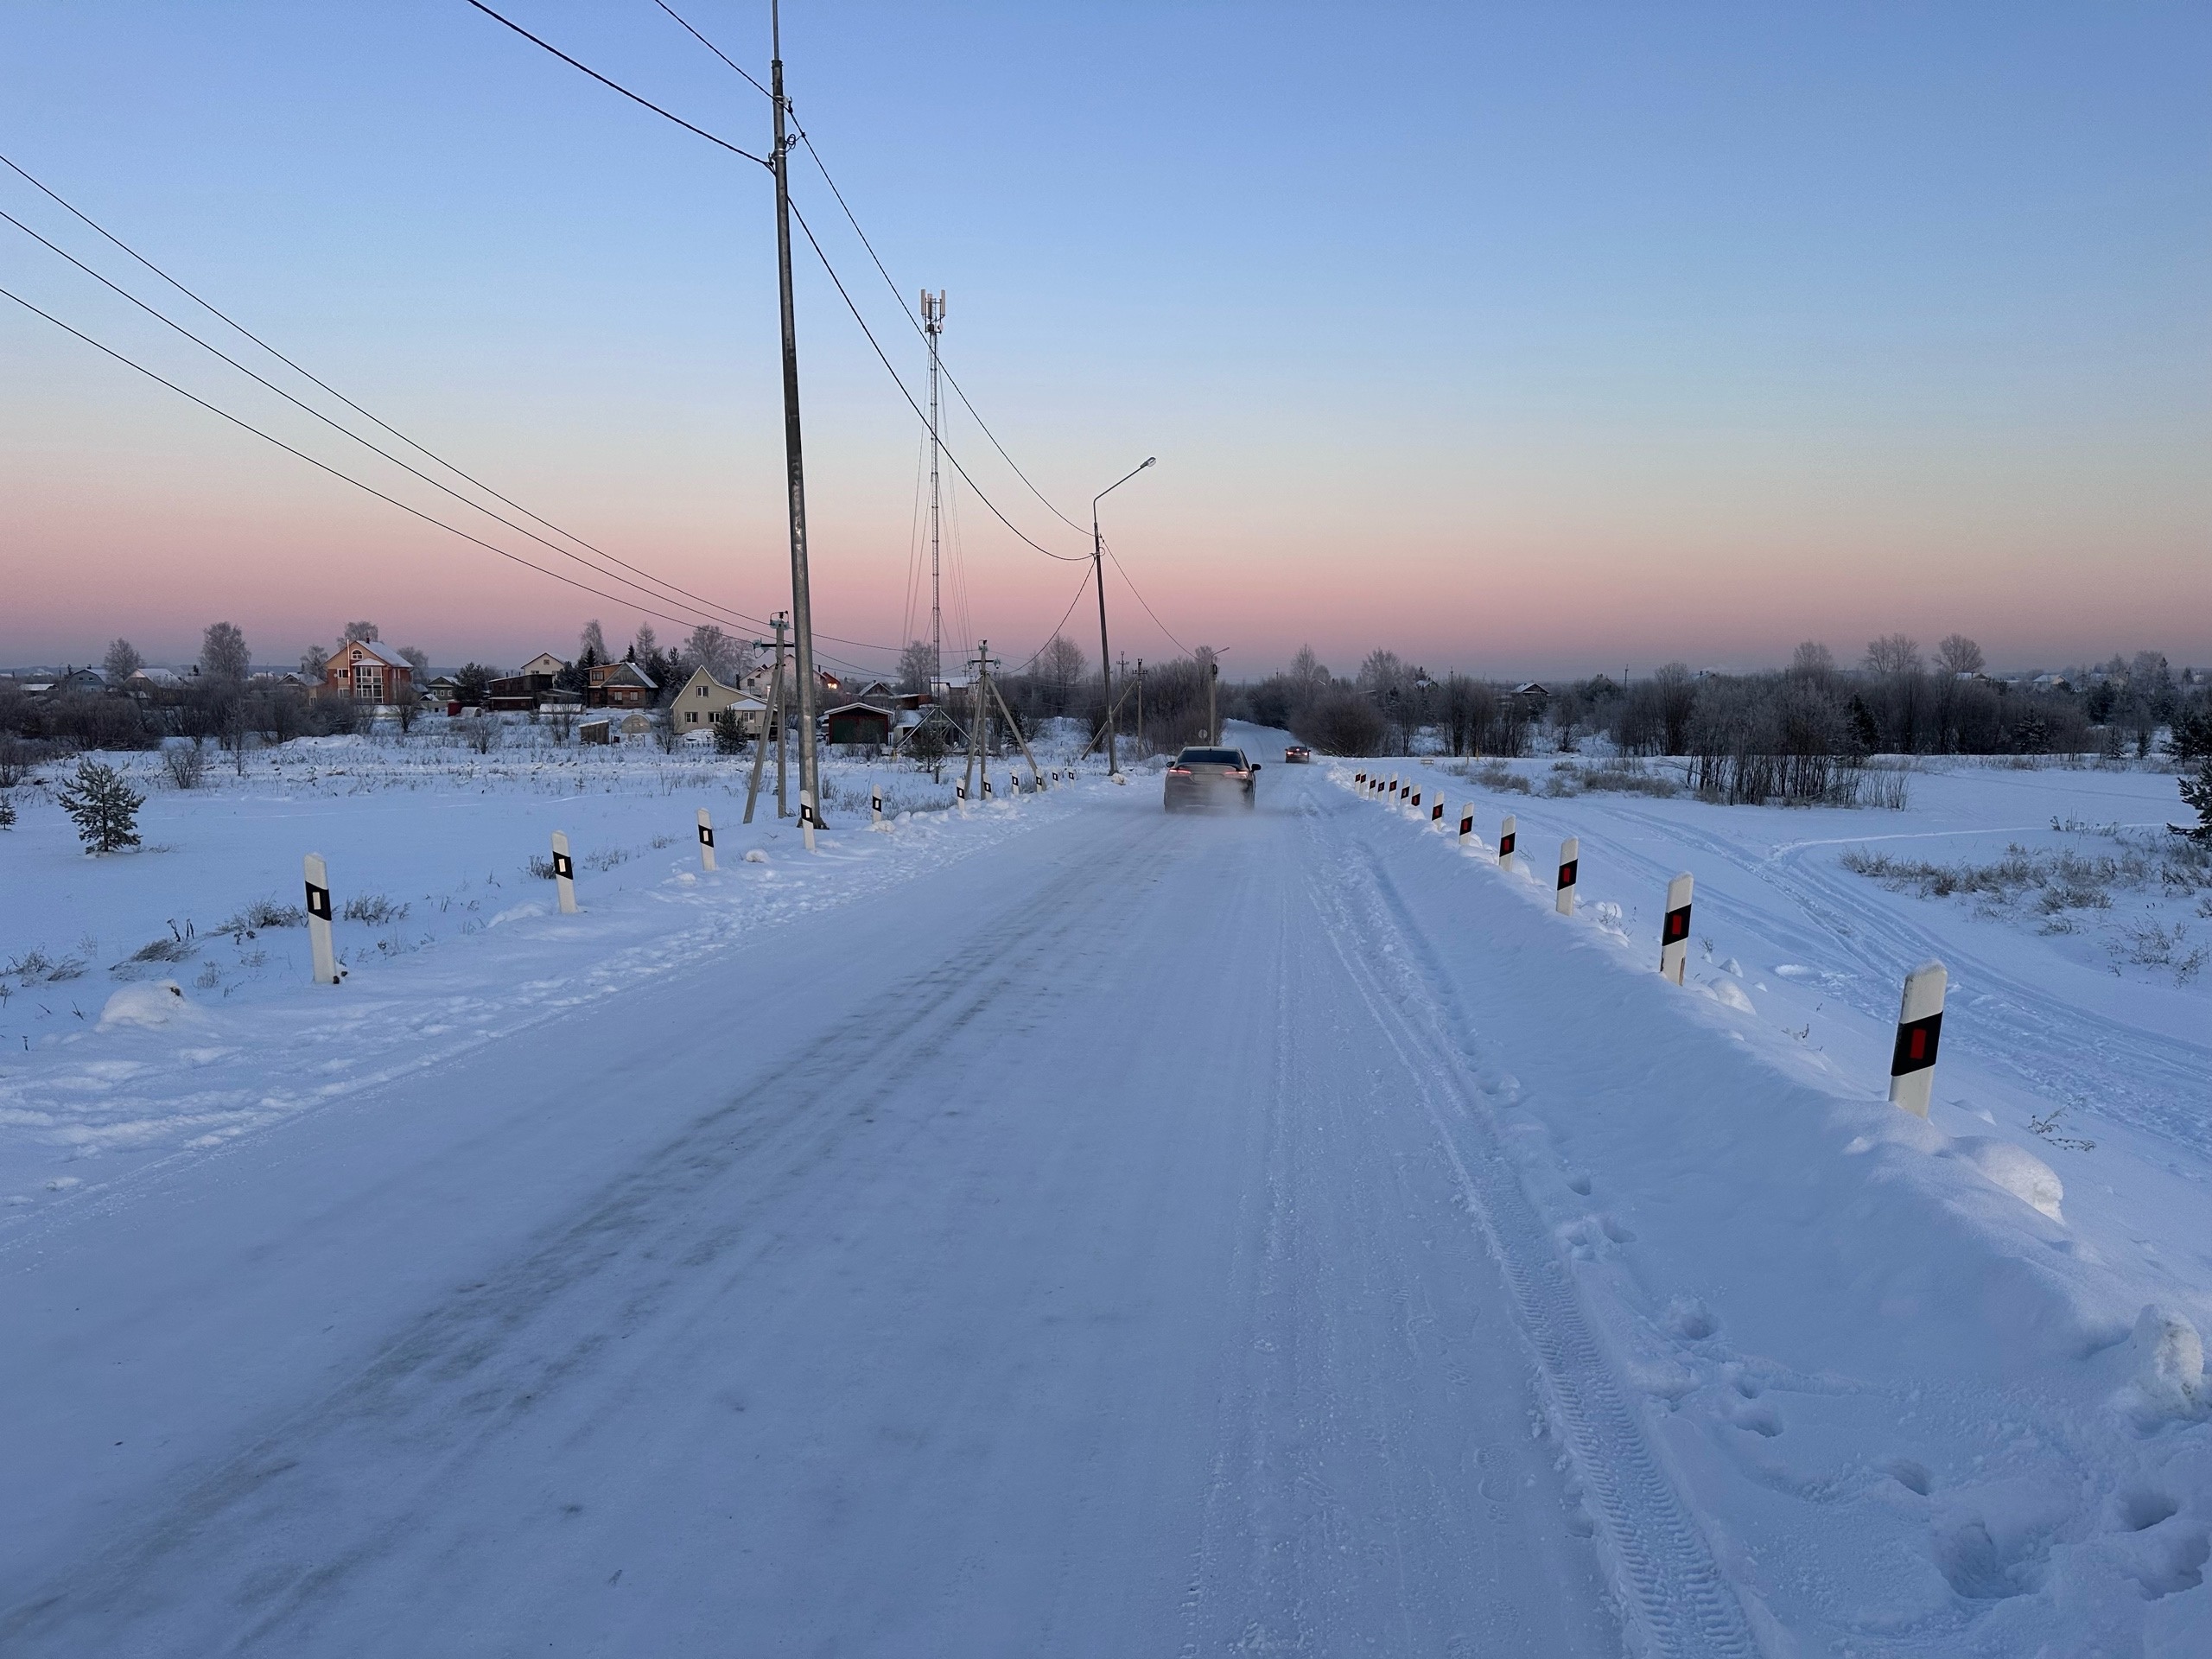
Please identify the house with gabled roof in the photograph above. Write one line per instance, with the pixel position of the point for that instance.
(366, 673)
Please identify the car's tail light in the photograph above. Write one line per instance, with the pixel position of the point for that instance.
(1179, 772)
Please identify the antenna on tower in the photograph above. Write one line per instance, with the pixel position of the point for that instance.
(932, 326)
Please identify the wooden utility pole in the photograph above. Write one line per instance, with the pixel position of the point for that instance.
(809, 793)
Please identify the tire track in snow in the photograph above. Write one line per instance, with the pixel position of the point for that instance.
(2057, 1048)
(444, 1391)
(1675, 1589)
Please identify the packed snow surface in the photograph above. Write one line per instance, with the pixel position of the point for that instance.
(1052, 1227)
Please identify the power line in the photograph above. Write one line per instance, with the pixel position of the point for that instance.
(618, 86)
(716, 50)
(1068, 558)
(229, 322)
(898, 293)
(852, 219)
(726, 614)
(1141, 600)
(370, 489)
(1058, 625)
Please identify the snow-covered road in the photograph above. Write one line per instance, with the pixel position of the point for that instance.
(1085, 1250)
(1061, 1228)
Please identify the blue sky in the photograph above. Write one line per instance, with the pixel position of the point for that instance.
(1518, 339)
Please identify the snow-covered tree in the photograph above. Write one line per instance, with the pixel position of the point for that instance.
(418, 660)
(122, 661)
(313, 661)
(591, 645)
(361, 634)
(1812, 661)
(104, 807)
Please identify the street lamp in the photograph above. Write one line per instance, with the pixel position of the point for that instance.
(1098, 573)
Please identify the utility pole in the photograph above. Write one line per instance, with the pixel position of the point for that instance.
(1213, 719)
(809, 794)
(1142, 749)
(932, 326)
(771, 713)
(1098, 575)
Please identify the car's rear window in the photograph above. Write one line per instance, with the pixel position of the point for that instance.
(1209, 757)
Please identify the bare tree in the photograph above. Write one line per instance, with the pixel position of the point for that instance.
(122, 661)
(1307, 672)
(222, 653)
(646, 644)
(1060, 664)
(360, 634)
(916, 663)
(313, 663)
(592, 642)
(418, 660)
(1894, 653)
(1959, 655)
(713, 650)
(1812, 661)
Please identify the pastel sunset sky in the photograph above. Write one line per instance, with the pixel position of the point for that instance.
(1525, 340)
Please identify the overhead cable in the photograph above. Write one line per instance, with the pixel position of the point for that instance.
(1141, 600)
(369, 489)
(420, 449)
(617, 85)
(897, 292)
(725, 613)
(1067, 558)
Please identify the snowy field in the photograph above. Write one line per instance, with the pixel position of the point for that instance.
(441, 882)
(1054, 1227)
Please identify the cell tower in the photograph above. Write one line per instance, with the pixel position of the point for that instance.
(932, 326)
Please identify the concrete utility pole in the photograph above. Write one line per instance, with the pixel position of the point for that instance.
(1142, 748)
(1098, 575)
(932, 326)
(809, 792)
(771, 713)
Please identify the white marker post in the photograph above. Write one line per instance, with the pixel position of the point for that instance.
(807, 818)
(564, 873)
(1416, 799)
(706, 841)
(1570, 862)
(1466, 820)
(1436, 812)
(326, 956)
(1674, 932)
(960, 791)
(1505, 843)
(1014, 783)
(1359, 777)
(875, 808)
(1920, 1025)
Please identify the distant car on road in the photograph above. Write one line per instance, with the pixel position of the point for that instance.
(1203, 778)
(1298, 755)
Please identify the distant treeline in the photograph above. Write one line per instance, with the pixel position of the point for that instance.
(1791, 734)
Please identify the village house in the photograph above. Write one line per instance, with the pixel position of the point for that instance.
(544, 663)
(365, 673)
(621, 685)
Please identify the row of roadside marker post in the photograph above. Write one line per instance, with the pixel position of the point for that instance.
(1920, 1018)
(324, 946)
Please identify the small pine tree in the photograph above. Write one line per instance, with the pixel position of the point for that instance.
(6, 813)
(2197, 794)
(105, 807)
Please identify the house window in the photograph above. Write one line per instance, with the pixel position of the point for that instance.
(691, 718)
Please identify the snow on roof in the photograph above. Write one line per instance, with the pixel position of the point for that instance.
(373, 650)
